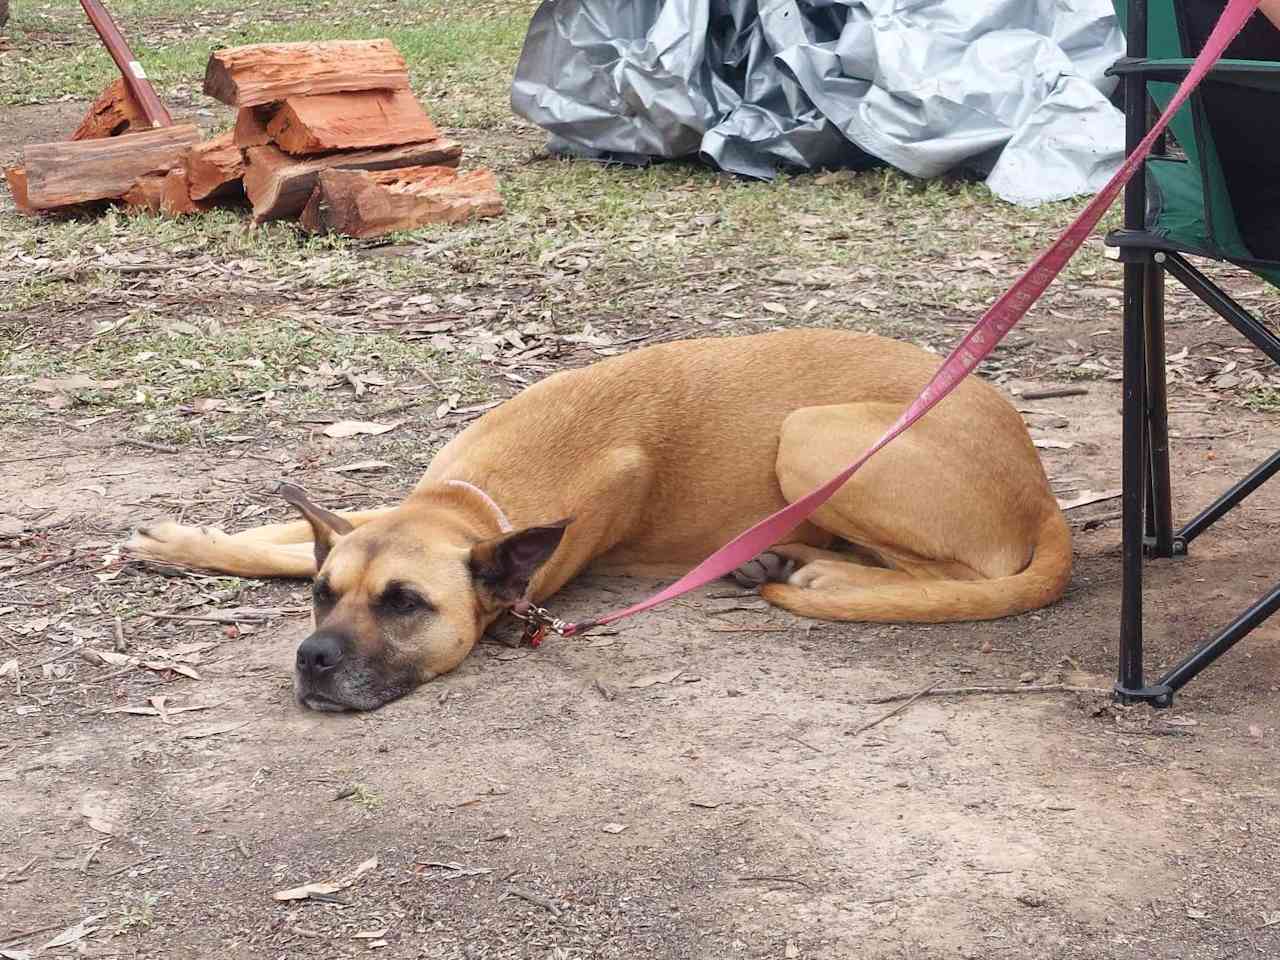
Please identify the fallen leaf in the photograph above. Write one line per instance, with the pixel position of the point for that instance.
(326, 889)
(115, 659)
(162, 665)
(613, 827)
(654, 678)
(103, 814)
(73, 933)
(370, 934)
(791, 951)
(1088, 497)
(352, 428)
(361, 465)
(9, 668)
(211, 730)
(1255, 731)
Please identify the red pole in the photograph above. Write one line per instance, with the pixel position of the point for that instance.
(135, 78)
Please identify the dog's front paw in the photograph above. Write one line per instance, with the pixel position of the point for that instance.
(164, 540)
(769, 567)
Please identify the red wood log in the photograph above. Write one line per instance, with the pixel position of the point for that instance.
(114, 112)
(370, 203)
(346, 121)
(266, 72)
(279, 185)
(59, 174)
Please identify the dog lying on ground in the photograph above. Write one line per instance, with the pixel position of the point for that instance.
(645, 463)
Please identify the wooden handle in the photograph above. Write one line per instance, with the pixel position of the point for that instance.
(134, 77)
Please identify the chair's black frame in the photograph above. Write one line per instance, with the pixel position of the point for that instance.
(1147, 512)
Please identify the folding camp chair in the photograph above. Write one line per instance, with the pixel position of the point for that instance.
(1221, 202)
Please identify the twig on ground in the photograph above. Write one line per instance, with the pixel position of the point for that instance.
(936, 691)
(1090, 523)
(1052, 393)
(911, 698)
(777, 877)
(544, 902)
(23, 934)
(728, 628)
(46, 456)
(129, 866)
(802, 743)
(40, 568)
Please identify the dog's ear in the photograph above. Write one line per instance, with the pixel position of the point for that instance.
(326, 527)
(505, 565)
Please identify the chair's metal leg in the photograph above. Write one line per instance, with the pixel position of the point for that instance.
(1160, 506)
(1223, 305)
(1232, 634)
(1219, 508)
(1134, 480)
(1134, 475)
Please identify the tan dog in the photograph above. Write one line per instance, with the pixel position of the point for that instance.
(644, 464)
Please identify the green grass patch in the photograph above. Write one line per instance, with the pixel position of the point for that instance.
(461, 64)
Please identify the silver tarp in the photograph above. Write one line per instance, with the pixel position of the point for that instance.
(1014, 89)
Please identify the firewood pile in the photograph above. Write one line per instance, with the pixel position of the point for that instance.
(327, 134)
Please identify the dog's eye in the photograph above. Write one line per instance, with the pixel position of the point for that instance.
(401, 600)
(321, 592)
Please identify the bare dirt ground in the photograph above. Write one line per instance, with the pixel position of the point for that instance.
(695, 784)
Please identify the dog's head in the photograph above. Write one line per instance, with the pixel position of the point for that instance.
(403, 599)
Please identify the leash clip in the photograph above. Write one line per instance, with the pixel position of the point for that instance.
(537, 621)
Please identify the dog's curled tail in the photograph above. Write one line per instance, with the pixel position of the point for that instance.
(914, 600)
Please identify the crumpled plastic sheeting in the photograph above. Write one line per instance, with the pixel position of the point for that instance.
(1011, 88)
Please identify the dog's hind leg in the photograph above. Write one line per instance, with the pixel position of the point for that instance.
(950, 522)
(272, 550)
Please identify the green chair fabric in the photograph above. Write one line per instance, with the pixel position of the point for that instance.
(1190, 202)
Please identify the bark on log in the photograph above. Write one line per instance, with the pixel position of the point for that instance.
(70, 172)
(114, 112)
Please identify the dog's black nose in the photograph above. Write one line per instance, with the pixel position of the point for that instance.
(319, 653)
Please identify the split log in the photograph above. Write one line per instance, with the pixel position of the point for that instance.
(113, 113)
(251, 127)
(74, 172)
(279, 185)
(147, 193)
(345, 121)
(214, 168)
(16, 177)
(365, 203)
(264, 72)
(164, 193)
(176, 199)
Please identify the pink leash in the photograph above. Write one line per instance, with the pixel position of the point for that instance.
(976, 345)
